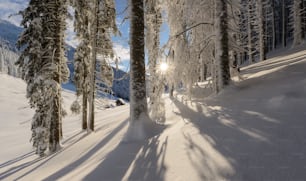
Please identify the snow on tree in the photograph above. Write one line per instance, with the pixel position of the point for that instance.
(8, 59)
(153, 21)
(53, 47)
(76, 107)
(138, 100)
(82, 55)
(192, 32)
(261, 32)
(103, 24)
(221, 43)
(297, 23)
(178, 49)
(44, 68)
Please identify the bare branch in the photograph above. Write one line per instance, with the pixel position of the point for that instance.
(193, 26)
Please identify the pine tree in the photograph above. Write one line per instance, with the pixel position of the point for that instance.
(82, 55)
(44, 68)
(103, 25)
(54, 55)
(30, 63)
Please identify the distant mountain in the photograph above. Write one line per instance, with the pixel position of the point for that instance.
(121, 84)
(9, 33)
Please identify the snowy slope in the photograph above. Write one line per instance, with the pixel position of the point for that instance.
(254, 130)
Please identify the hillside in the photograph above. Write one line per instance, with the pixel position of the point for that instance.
(9, 34)
(254, 130)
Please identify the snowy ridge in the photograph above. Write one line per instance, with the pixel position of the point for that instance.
(254, 130)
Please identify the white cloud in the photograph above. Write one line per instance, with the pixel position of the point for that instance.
(122, 52)
(9, 7)
(71, 38)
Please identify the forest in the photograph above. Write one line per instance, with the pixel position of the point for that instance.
(213, 51)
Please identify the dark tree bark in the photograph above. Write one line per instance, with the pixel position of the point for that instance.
(222, 58)
(137, 63)
(91, 119)
(84, 111)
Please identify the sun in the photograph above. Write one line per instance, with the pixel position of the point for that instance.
(163, 66)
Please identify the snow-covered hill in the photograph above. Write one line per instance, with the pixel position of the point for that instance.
(9, 34)
(254, 130)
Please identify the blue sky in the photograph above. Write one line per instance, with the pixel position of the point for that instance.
(121, 46)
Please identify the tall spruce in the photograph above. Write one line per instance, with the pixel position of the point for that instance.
(44, 68)
(54, 29)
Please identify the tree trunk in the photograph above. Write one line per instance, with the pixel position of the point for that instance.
(250, 29)
(56, 26)
(222, 58)
(297, 23)
(84, 109)
(273, 25)
(262, 49)
(138, 101)
(93, 68)
(284, 24)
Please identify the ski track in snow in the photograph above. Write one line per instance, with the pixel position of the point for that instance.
(254, 130)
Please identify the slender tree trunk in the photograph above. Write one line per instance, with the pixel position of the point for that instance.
(273, 25)
(303, 19)
(297, 23)
(250, 29)
(56, 25)
(84, 109)
(284, 36)
(171, 90)
(262, 48)
(93, 68)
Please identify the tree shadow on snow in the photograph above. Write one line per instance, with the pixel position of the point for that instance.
(242, 143)
(62, 172)
(135, 160)
(142, 160)
(12, 168)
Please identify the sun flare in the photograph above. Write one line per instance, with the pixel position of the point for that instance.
(163, 67)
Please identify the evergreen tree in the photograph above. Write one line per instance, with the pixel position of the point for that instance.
(82, 55)
(30, 64)
(55, 61)
(44, 68)
(103, 25)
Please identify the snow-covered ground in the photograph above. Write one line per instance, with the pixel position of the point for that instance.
(254, 130)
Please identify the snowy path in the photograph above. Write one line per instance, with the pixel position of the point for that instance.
(253, 131)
